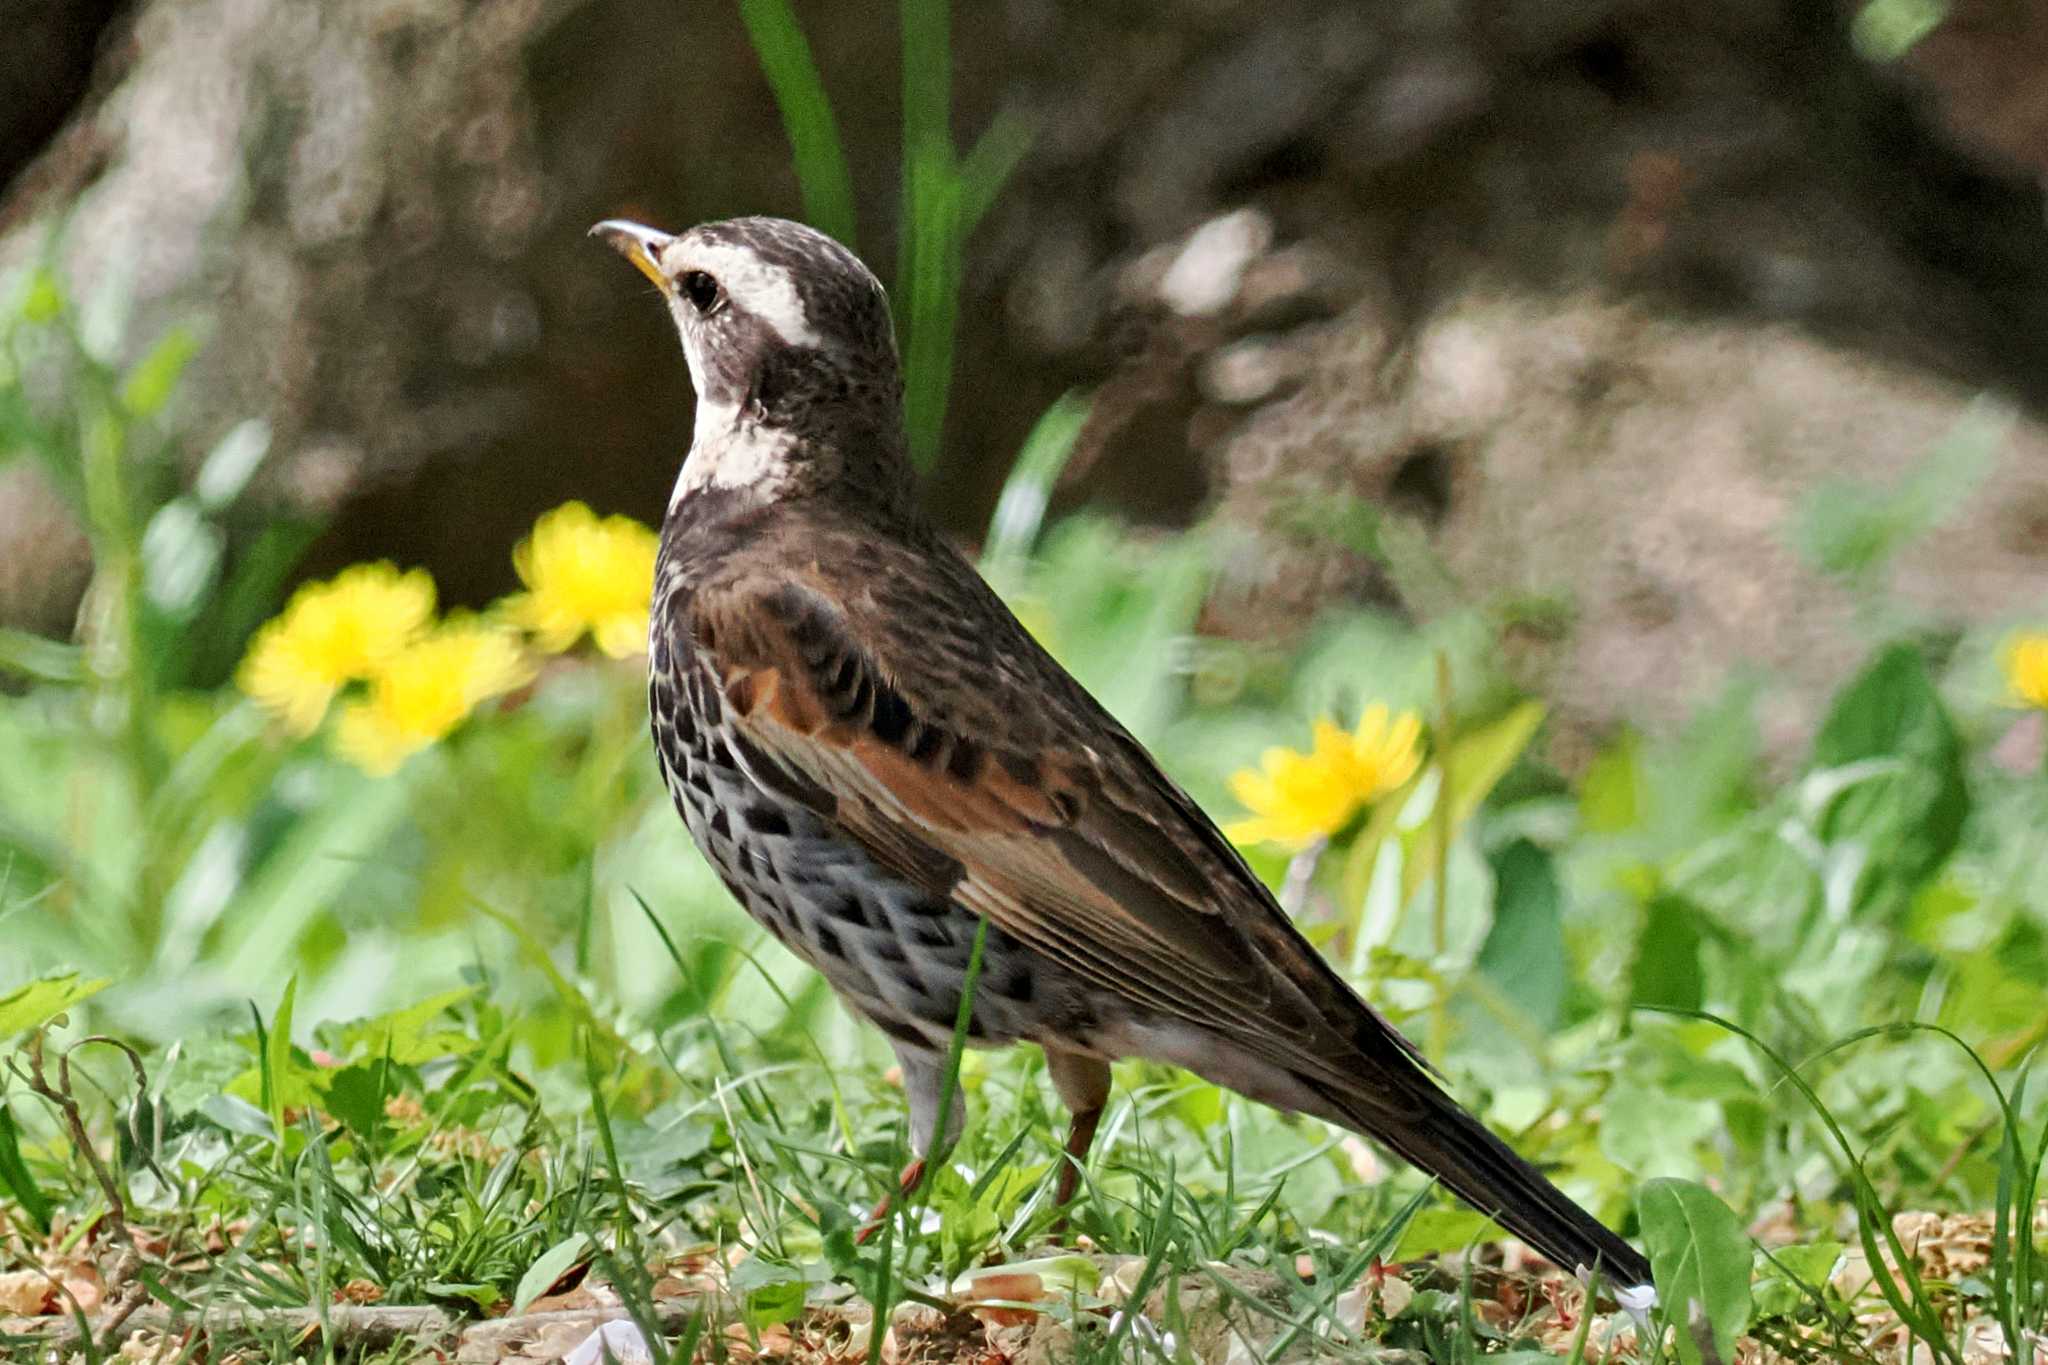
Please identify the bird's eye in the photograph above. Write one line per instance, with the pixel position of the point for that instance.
(701, 290)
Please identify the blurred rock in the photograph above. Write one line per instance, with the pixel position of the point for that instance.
(44, 570)
(1646, 474)
(1204, 275)
(1987, 65)
(1253, 370)
(46, 65)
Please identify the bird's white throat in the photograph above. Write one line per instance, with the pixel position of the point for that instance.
(729, 451)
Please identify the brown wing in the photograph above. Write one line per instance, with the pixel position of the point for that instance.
(975, 766)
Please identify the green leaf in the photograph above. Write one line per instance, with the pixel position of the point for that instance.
(1435, 1231)
(774, 1292)
(1902, 796)
(1646, 1125)
(1790, 1273)
(44, 301)
(355, 1095)
(15, 1177)
(484, 1296)
(1477, 760)
(1700, 1257)
(1849, 528)
(1060, 1278)
(1886, 30)
(551, 1265)
(155, 377)
(405, 1035)
(277, 1057)
(235, 1114)
(1667, 971)
(1524, 953)
(39, 1002)
(38, 659)
(1611, 797)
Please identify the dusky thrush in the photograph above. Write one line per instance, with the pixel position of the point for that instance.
(878, 759)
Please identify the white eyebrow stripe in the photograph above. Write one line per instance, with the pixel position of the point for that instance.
(767, 291)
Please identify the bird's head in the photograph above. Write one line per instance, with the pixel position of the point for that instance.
(791, 351)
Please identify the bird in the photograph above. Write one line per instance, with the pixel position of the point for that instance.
(885, 767)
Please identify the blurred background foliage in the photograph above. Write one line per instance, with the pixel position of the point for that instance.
(1647, 399)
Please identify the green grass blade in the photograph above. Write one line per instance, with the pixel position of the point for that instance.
(38, 659)
(15, 1176)
(277, 1060)
(601, 1116)
(988, 166)
(1909, 1301)
(726, 1057)
(820, 158)
(1020, 510)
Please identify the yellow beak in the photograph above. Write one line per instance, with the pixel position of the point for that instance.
(639, 244)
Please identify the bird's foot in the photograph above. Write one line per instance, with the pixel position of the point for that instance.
(912, 1177)
(1079, 1137)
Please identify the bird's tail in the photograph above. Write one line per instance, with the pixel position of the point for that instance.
(1463, 1154)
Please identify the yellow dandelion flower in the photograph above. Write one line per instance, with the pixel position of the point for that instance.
(421, 694)
(583, 574)
(2026, 669)
(1296, 798)
(333, 633)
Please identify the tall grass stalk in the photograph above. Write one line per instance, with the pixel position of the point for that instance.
(945, 194)
(821, 170)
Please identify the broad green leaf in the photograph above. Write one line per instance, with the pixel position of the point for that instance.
(39, 1002)
(1906, 808)
(355, 1095)
(1886, 30)
(1782, 1285)
(234, 1113)
(549, 1267)
(1436, 1231)
(1667, 970)
(1645, 1125)
(774, 1292)
(1524, 953)
(406, 1035)
(1701, 1259)
(1122, 618)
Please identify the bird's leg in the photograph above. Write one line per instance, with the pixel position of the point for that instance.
(1083, 1085)
(1079, 1135)
(924, 1076)
(906, 1185)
